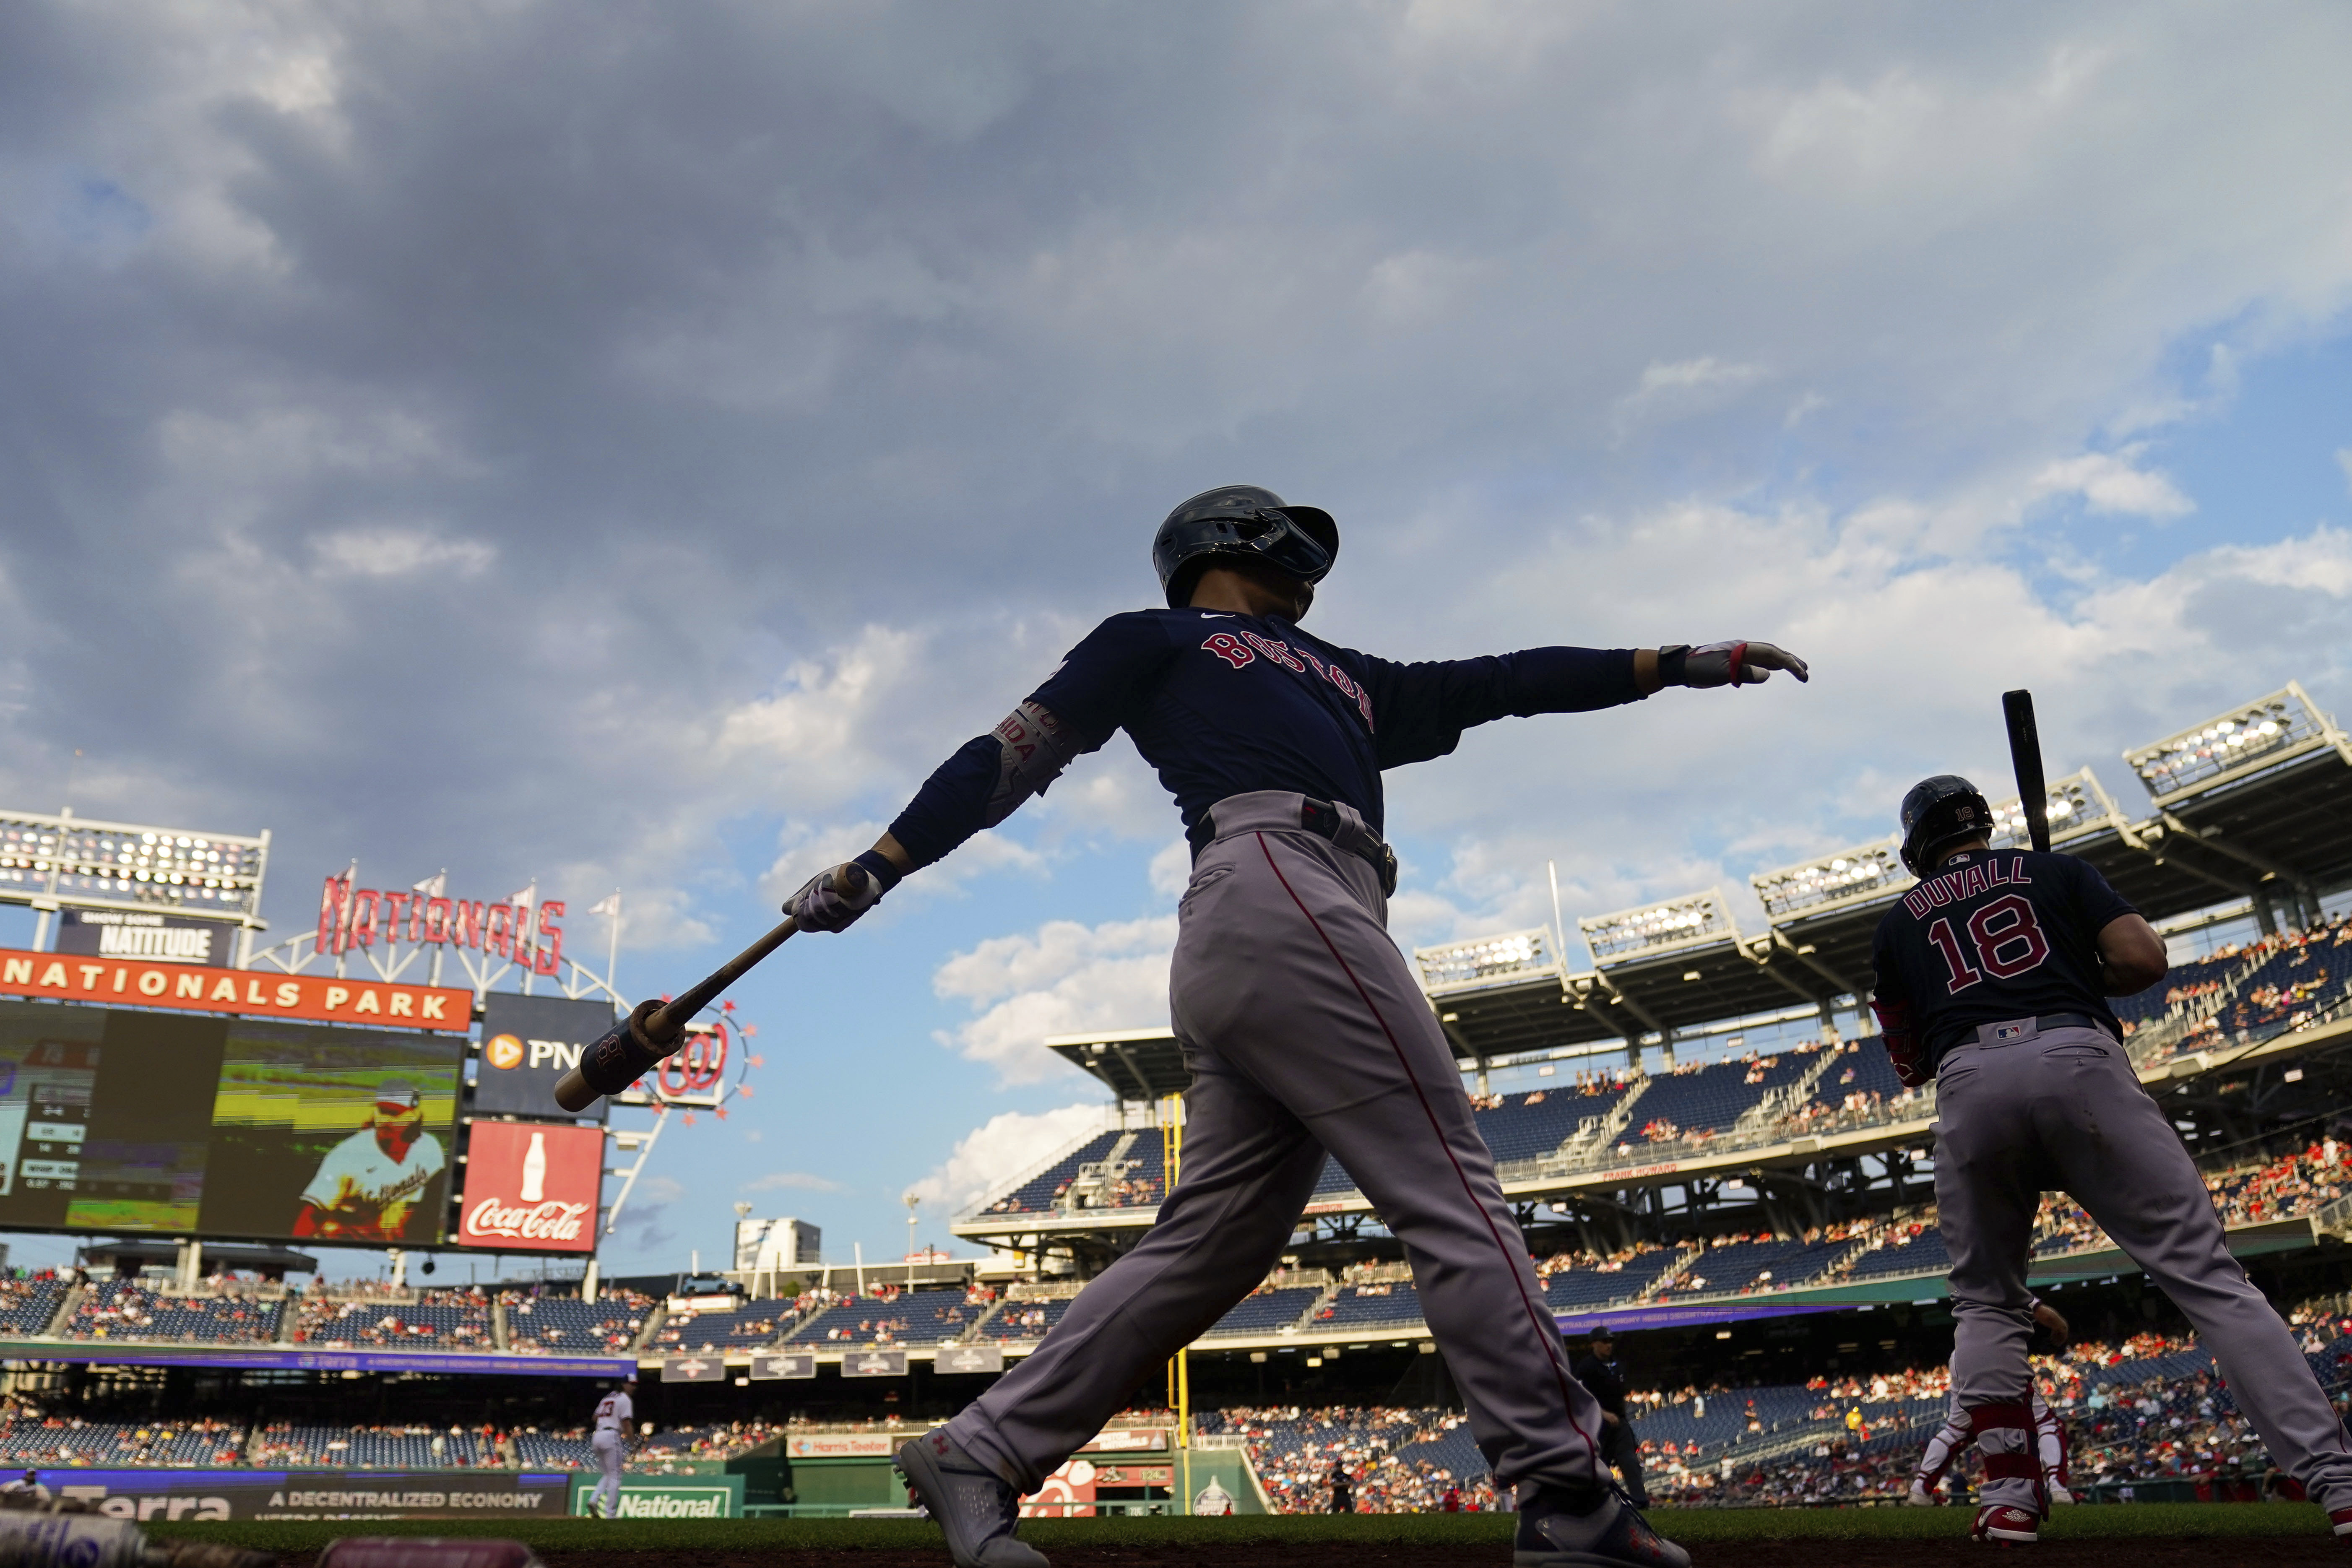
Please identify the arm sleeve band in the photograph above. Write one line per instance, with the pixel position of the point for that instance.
(1421, 709)
(985, 783)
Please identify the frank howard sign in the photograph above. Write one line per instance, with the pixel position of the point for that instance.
(530, 1187)
(530, 1042)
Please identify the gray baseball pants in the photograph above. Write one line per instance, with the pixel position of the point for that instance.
(1305, 1032)
(2061, 1109)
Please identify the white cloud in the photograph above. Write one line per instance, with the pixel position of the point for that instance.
(2112, 482)
(400, 552)
(1003, 1148)
(1172, 870)
(1064, 978)
(1683, 386)
(791, 1181)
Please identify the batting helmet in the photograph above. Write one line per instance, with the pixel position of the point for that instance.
(1940, 811)
(1242, 523)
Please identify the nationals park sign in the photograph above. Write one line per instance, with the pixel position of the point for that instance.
(191, 988)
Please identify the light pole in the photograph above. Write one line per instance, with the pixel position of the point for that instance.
(914, 1200)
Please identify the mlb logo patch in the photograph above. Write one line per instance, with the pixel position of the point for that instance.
(2008, 1031)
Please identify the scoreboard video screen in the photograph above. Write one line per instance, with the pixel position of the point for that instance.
(130, 1122)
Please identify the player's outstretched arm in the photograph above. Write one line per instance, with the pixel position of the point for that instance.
(991, 776)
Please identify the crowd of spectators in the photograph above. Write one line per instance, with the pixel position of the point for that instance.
(1390, 1460)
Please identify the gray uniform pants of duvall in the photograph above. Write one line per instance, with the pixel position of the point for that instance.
(2061, 1109)
(1305, 1032)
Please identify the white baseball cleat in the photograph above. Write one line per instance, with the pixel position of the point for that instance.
(2060, 1496)
(1920, 1497)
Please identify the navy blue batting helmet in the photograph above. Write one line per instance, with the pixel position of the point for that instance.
(1940, 811)
(1242, 523)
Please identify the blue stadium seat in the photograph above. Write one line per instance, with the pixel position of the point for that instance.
(916, 1318)
(746, 1327)
(568, 1324)
(1264, 1311)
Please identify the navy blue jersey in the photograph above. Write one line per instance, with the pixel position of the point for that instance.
(1996, 934)
(1222, 704)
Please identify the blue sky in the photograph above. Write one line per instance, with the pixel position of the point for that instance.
(632, 448)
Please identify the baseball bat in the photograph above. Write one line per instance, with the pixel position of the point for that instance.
(2026, 756)
(655, 1029)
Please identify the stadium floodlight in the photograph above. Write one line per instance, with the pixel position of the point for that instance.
(1487, 961)
(76, 862)
(1860, 875)
(2259, 734)
(2077, 805)
(1669, 925)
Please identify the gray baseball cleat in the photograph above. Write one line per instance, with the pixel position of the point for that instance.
(975, 1509)
(1599, 1528)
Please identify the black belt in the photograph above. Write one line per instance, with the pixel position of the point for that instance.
(1322, 818)
(2047, 1021)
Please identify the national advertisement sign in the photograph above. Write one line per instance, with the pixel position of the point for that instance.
(531, 1187)
(168, 1495)
(769, 1365)
(698, 1497)
(874, 1364)
(527, 1044)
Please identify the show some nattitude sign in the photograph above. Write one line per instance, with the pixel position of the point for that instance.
(316, 998)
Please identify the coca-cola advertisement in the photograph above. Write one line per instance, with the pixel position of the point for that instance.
(531, 1187)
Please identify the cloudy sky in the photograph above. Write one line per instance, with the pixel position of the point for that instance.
(630, 444)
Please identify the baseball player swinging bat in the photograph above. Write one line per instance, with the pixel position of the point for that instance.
(653, 1030)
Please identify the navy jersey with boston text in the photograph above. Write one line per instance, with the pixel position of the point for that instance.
(1222, 704)
(1997, 934)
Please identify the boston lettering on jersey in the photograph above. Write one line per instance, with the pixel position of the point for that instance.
(1222, 704)
(1997, 934)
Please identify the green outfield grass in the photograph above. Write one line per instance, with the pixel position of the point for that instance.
(1691, 1525)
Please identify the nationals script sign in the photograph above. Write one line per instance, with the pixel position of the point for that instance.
(531, 1186)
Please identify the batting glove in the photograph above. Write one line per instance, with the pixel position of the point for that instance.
(833, 900)
(1902, 1048)
(1727, 664)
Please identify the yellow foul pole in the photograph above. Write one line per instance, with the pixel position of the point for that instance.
(1180, 1368)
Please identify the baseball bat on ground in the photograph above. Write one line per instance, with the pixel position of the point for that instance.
(654, 1030)
(2026, 756)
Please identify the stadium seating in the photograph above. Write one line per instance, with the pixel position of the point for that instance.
(26, 1306)
(1584, 1284)
(445, 1321)
(1530, 1126)
(1903, 1253)
(912, 1318)
(1387, 1305)
(126, 1310)
(554, 1450)
(1037, 1194)
(566, 1324)
(745, 1326)
(1708, 1099)
(179, 1445)
(369, 1448)
(1763, 1264)
(1265, 1310)
(1019, 1320)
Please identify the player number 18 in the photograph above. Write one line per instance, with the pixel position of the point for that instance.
(2007, 938)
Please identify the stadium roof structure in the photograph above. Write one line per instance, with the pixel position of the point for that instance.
(1133, 1064)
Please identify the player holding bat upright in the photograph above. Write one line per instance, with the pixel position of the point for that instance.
(1993, 976)
(1302, 1025)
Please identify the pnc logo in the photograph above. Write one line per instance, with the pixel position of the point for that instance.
(503, 1052)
